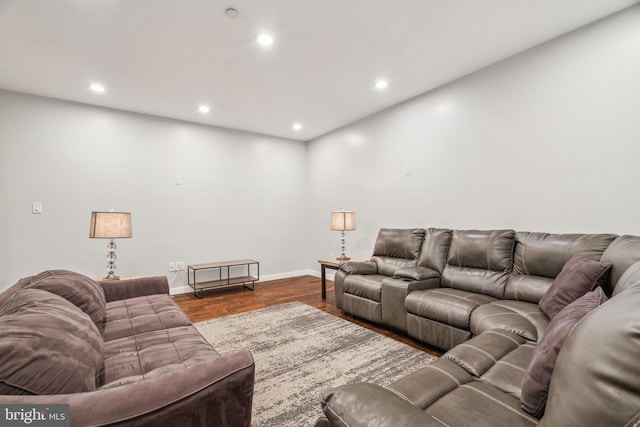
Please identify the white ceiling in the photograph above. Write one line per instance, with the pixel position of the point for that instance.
(165, 57)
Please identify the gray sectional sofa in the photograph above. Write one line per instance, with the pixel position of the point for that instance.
(444, 286)
(118, 353)
(491, 299)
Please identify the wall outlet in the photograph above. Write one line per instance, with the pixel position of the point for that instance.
(172, 266)
(180, 266)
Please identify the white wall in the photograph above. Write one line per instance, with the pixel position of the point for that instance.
(242, 195)
(545, 141)
(548, 140)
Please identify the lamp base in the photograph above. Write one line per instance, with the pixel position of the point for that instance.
(111, 261)
(343, 258)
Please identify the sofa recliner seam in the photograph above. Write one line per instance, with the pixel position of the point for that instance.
(504, 405)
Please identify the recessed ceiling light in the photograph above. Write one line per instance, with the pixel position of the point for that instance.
(264, 39)
(97, 87)
(204, 109)
(297, 126)
(381, 84)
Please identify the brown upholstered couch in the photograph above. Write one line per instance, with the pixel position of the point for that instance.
(118, 352)
(478, 294)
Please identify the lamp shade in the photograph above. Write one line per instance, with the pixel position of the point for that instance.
(343, 220)
(110, 225)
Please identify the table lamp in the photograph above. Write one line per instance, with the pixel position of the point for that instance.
(343, 221)
(110, 225)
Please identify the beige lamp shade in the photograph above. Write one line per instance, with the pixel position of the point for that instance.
(343, 220)
(110, 225)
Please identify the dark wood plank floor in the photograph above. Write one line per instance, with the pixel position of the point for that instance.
(306, 289)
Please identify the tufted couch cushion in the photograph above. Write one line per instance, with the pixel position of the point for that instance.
(133, 316)
(138, 357)
(47, 345)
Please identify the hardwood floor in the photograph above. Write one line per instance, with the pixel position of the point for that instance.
(306, 289)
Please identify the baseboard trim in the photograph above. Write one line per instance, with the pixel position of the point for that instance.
(175, 290)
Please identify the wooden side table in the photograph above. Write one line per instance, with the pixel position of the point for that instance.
(333, 264)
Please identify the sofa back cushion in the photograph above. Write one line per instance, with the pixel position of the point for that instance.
(622, 253)
(397, 248)
(435, 249)
(630, 278)
(596, 380)
(479, 261)
(82, 291)
(539, 258)
(47, 346)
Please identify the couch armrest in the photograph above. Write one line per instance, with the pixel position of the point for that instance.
(369, 405)
(416, 273)
(218, 391)
(115, 290)
(359, 267)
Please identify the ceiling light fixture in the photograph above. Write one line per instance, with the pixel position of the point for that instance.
(97, 87)
(297, 126)
(204, 109)
(381, 84)
(231, 12)
(264, 39)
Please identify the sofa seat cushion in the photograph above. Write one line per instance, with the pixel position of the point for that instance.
(479, 404)
(134, 316)
(449, 306)
(520, 317)
(47, 345)
(134, 358)
(498, 357)
(364, 286)
(442, 377)
(447, 392)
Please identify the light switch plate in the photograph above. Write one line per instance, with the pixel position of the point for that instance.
(36, 207)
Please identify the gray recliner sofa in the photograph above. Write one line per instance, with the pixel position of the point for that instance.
(403, 261)
(455, 284)
(483, 307)
(595, 381)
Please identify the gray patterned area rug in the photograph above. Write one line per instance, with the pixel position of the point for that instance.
(300, 352)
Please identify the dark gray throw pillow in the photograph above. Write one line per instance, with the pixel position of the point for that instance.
(47, 345)
(578, 276)
(537, 378)
(84, 292)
